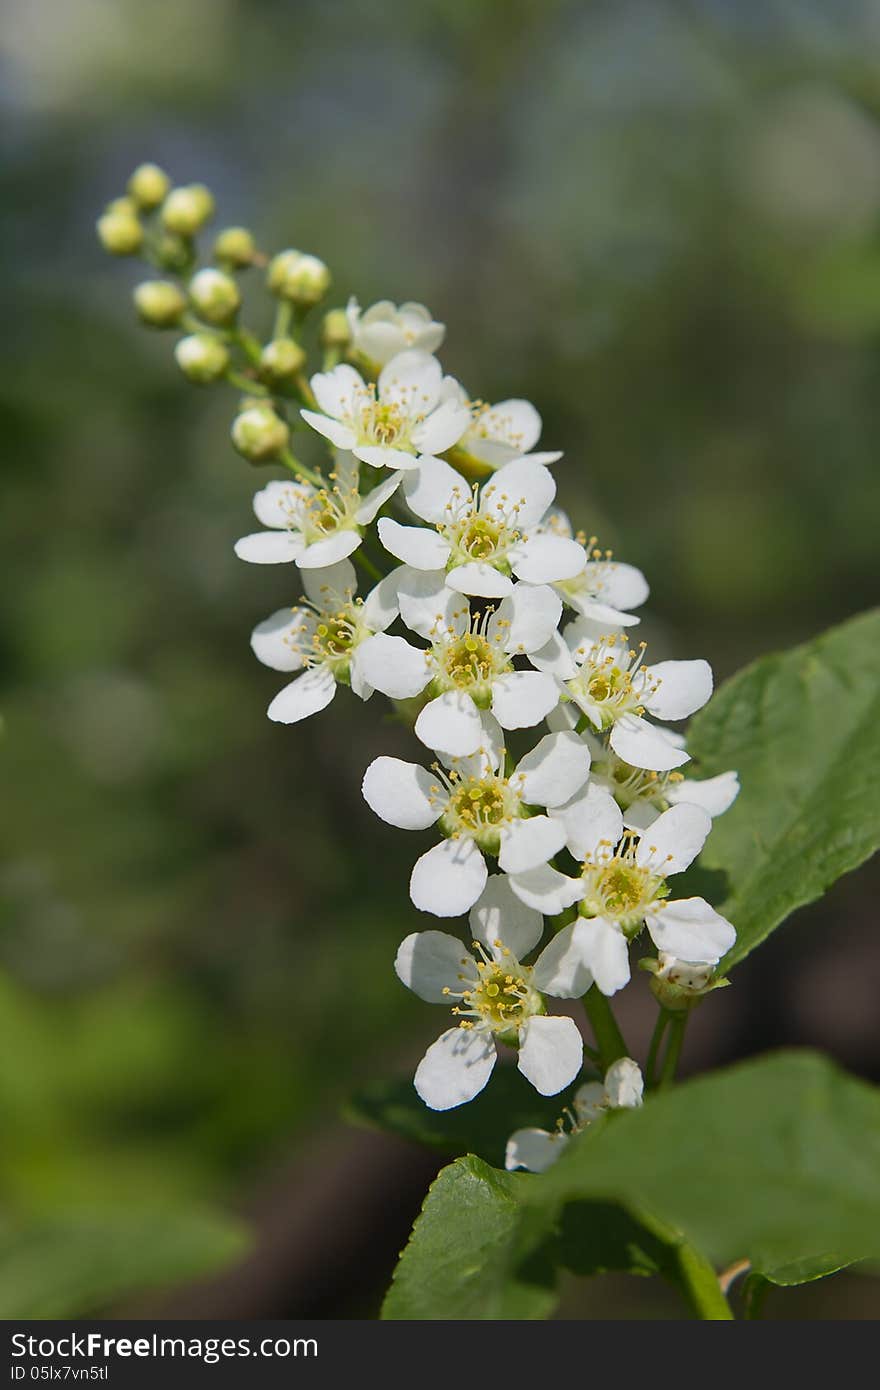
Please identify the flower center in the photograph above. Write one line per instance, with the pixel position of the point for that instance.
(500, 998)
(618, 888)
(478, 807)
(384, 423)
(611, 681)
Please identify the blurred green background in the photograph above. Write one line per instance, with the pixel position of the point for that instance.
(660, 222)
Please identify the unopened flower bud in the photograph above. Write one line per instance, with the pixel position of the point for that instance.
(214, 295)
(281, 361)
(159, 303)
(173, 252)
(235, 248)
(187, 209)
(679, 984)
(259, 434)
(120, 231)
(148, 186)
(202, 357)
(335, 332)
(304, 280)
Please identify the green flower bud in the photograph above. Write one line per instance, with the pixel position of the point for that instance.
(259, 434)
(128, 206)
(159, 303)
(677, 984)
(173, 252)
(214, 295)
(304, 280)
(148, 186)
(120, 231)
(202, 357)
(187, 209)
(281, 361)
(235, 248)
(335, 332)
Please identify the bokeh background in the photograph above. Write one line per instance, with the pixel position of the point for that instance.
(659, 221)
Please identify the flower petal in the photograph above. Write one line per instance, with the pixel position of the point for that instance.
(279, 502)
(321, 554)
(451, 723)
(426, 604)
(556, 768)
(391, 665)
(371, 504)
(534, 1149)
(412, 380)
(403, 794)
(547, 559)
(433, 488)
(555, 658)
(332, 588)
(500, 916)
(448, 879)
(526, 844)
(521, 699)
(620, 586)
(691, 930)
(524, 486)
(674, 840)
(591, 817)
(551, 1053)
(340, 436)
(714, 794)
(309, 693)
(270, 547)
(430, 964)
(681, 688)
(527, 618)
(624, 1084)
(547, 889)
(644, 745)
(337, 391)
(442, 428)
(278, 640)
(414, 545)
(382, 605)
(605, 951)
(479, 579)
(455, 1068)
(384, 456)
(560, 969)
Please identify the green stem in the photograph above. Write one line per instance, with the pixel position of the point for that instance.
(677, 1026)
(700, 1285)
(605, 1030)
(249, 345)
(245, 383)
(282, 320)
(366, 564)
(290, 461)
(656, 1038)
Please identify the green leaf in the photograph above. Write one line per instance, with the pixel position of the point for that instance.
(509, 1102)
(774, 1161)
(73, 1265)
(802, 728)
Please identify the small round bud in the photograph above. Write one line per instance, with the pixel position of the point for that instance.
(235, 248)
(173, 252)
(148, 186)
(120, 232)
(214, 295)
(304, 280)
(126, 206)
(201, 357)
(335, 331)
(187, 209)
(159, 303)
(281, 361)
(259, 434)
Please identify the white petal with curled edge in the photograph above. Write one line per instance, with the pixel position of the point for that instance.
(455, 1068)
(340, 436)
(332, 588)
(547, 559)
(551, 1053)
(521, 699)
(337, 391)
(546, 889)
(382, 603)
(429, 962)
(448, 879)
(443, 428)
(450, 724)
(714, 794)
(321, 554)
(391, 665)
(521, 490)
(682, 687)
(433, 488)
(371, 504)
(357, 680)
(383, 456)
(526, 844)
(607, 619)
(534, 1149)
(481, 580)
(411, 379)
(500, 916)
(414, 545)
(560, 969)
(278, 501)
(624, 1084)
(605, 951)
(403, 794)
(309, 693)
(591, 817)
(555, 658)
(691, 930)
(527, 618)
(543, 456)
(674, 840)
(270, 548)
(556, 768)
(278, 640)
(644, 745)
(426, 604)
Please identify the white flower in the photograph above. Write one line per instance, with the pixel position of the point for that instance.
(394, 423)
(481, 537)
(481, 811)
(469, 664)
(496, 434)
(605, 589)
(325, 639)
(537, 1149)
(383, 331)
(622, 887)
(609, 683)
(313, 526)
(497, 999)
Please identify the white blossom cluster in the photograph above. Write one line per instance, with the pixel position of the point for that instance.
(494, 623)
